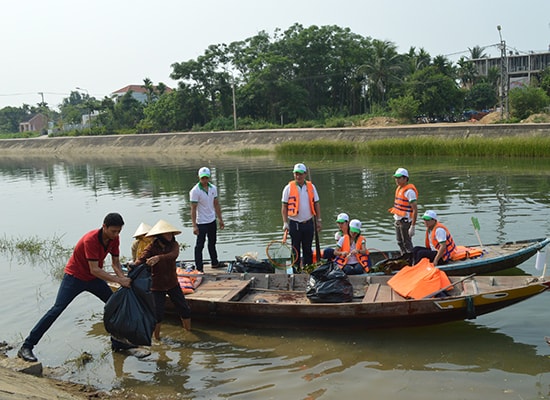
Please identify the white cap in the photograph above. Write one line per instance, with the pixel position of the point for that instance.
(355, 226)
(204, 172)
(300, 168)
(428, 215)
(401, 172)
(142, 229)
(342, 217)
(162, 227)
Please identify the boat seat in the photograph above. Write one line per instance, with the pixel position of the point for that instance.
(371, 292)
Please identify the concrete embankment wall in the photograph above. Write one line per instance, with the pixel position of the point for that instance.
(181, 143)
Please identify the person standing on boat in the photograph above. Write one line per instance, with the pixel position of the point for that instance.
(439, 244)
(84, 273)
(404, 210)
(351, 251)
(161, 256)
(205, 207)
(300, 205)
(140, 242)
(342, 221)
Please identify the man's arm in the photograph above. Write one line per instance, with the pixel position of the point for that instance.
(218, 210)
(102, 274)
(194, 218)
(284, 214)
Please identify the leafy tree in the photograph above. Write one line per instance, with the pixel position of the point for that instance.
(481, 96)
(526, 101)
(405, 107)
(10, 117)
(545, 80)
(437, 93)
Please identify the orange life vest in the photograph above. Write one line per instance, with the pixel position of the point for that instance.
(450, 246)
(363, 259)
(464, 252)
(294, 198)
(401, 205)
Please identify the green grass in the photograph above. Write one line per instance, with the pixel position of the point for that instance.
(535, 147)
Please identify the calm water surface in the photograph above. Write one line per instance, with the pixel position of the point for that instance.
(501, 355)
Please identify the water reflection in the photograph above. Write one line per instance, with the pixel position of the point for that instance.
(225, 362)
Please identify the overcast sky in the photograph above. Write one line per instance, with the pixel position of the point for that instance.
(54, 46)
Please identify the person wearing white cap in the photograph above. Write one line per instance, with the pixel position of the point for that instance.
(161, 256)
(140, 240)
(205, 207)
(300, 205)
(351, 251)
(439, 243)
(404, 210)
(342, 221)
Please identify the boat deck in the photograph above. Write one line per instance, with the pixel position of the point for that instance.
(291, 289)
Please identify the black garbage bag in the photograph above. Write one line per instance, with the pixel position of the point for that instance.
(329, 284)
(130, 312)
(252, 266)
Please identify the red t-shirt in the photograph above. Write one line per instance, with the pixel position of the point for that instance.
(90, 248)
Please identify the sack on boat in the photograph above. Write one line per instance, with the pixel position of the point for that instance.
(130, 312)
(329, 284)
(419, 281)
(252, 266)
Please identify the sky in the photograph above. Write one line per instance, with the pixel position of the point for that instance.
(49, 48)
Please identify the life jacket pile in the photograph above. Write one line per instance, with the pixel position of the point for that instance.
(188, 283)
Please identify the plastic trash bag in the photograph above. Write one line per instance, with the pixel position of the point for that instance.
(252, 266)
(329, 284)
(130, 312)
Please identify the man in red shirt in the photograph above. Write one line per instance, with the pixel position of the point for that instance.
(84, 273)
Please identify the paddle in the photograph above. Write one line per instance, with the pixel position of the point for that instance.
(477, 228)
(448, 286)
(315, 232)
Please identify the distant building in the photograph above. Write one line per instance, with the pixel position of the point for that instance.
(138, 92)
(521, 67)
(38, 123)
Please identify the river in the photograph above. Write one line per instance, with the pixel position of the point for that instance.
(500, 355)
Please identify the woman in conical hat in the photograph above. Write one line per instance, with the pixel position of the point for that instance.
(140, 241)
(161, 256)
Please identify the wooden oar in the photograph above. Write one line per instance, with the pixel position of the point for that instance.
(315, 232)
(477, 228)
(447, 287)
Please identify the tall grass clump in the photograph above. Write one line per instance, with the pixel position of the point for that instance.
(527, 147)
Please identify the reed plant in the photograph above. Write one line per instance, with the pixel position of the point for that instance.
(534, 147)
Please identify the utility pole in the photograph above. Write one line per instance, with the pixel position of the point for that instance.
(504, 80)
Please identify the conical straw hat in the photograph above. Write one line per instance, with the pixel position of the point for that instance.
(162, 227)
(142, 229)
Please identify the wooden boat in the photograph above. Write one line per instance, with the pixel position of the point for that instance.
(277, 300)
(495, 257)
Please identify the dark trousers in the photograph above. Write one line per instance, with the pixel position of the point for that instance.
(206, 231)
(404, 241)
(420, 252)
(68, 290)
(176, 297)
(301, 234)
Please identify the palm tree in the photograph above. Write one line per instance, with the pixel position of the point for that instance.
(383, 70)
(477, 52)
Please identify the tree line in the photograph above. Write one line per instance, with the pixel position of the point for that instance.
(299, 77)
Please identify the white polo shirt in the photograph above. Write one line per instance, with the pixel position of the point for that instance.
(206, 213)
